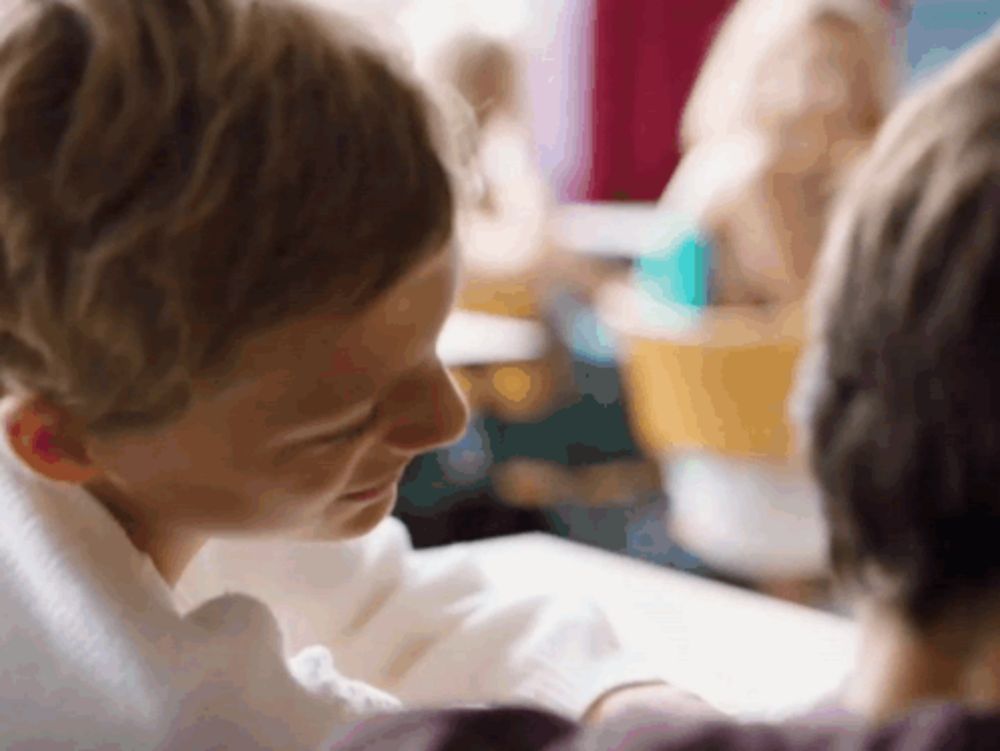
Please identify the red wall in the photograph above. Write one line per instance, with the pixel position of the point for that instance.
(646, 56)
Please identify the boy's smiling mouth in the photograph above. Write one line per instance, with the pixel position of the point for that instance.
(372, 492)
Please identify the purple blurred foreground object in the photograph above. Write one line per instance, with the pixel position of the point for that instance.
(931, 728)
(503, 729)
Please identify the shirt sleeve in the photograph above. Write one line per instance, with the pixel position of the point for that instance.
(428, 627)
(228, 685)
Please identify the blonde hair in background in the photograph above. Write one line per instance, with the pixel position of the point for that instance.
(754, 73)
(790, 94)
(175, 176)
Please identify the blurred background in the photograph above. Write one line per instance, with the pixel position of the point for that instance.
(652, 179)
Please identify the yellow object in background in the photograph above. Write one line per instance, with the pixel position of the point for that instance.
(708, 396)
(514, 297)
(517, 392)
(730, 399)
(720, 384)
(512, 383)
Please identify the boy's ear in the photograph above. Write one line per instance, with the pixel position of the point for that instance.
(46, 440)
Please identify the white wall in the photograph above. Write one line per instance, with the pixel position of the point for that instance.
(553, 38)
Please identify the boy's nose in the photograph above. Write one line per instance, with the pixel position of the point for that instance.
(434, 415)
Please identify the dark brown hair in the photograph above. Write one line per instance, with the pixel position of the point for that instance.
(902, 385)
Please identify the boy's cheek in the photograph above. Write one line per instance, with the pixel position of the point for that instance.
(308, 481)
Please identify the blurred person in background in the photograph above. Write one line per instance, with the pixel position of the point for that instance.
(790, 94)
(503, 233)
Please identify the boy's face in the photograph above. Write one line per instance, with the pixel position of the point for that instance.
(312, 436)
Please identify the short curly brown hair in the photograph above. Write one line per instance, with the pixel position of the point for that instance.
(178, 174)
(900, 392)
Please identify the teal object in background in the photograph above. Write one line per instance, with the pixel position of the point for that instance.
(940, 30)
(678, 271)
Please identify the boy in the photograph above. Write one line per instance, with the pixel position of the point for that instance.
(899, 405)
(226, 258)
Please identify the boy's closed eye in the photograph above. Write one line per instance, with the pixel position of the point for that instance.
(330, 438)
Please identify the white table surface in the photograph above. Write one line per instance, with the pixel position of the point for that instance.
(471, 338)
(609, 229)
(748, 654)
